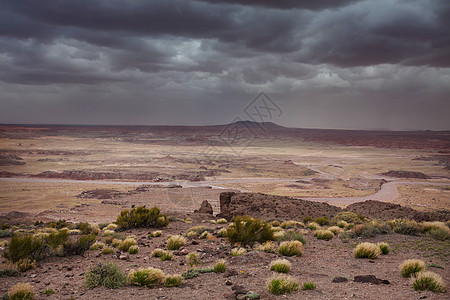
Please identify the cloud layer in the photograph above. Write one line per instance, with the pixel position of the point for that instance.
(342, 64)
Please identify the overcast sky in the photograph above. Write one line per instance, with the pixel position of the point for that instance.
(326, 64)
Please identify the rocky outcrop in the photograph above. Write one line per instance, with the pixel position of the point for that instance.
(205, 208)
(406, 174)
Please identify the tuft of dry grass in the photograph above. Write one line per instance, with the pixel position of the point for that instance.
(367, 250)
(336, 229)
(280, 265)
(323, 234)
(428, 281)
(173, 280)
(148, 277)
(238, 251)
(175, 242)
(384, 247)
(291, 248)
(21, 291)
(410, 267)
(268, 247)
(280, 284)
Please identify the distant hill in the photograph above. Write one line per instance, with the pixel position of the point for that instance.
(266, 126)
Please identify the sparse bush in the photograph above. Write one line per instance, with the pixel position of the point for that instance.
(428, 281)
(81, 245)
(428, 226)
(175, 242)
(107, 250)
(268, 247)
(406, 227)
(291, 248)
(439, 234)
(25, 264)
(384, 247)
(126, 244)
(21, 291)
(289, 224)
(197, 230)
(133, 249)
(313, 226)
(191, 273)
(322, 221)
(97, 246)
(222, 232)
(222, 221)
(158, 252)
(9, 272)
(367, 250)
(281, 284)
(193, 259)
(349, 217)
(25, 246)
(108, 275)
(141, 217)
(173, 280)
(58, 224)
(309, 286)
(336, 229)
(280, 265)
(292, 235)
(148, 277)
(166, 256)
(411, 267)
(342, 224)
(307, 219)
(275, 223)
(369, 230)
(48, 292)
(111, 226)
(5, 233)
(238, 251)
(220, 267)
(156, 233)
(248, 230)
(323, 234)
(87, 228)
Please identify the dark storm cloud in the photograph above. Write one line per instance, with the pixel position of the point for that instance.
(221, 49)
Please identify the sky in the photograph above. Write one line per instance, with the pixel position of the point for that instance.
(369, 64)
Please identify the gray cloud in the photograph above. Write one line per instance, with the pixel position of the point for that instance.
(178, 61)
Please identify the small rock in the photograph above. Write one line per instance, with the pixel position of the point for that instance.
(123, 257)
(239, 289)
(146, 258)
(194, 242)
(184, 251)
(228, 282)
(339, 279)
(33, 275)
(370, 279)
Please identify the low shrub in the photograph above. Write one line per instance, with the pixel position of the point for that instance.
(87, 228)
(247, 231)
(9, 272)
(48, 292)
(108, 275)
(411, 267)
(268, 247)
(133, 249)
(97, 246)
(280, 284)
(156, 233)
(428, 281)
(141, 217)
(439, 234)
(323, 234)
(349, 217)
(81, 245)
(322, 221)
(367, 250)
(148, 277)
(157, 252)
(191, 273)
(197, 230)
(370, 229)
(307, 219)
(342, 224)
(222, 232)
(238, 251)
(406, 227)
(107, 250)
(292, 235)
(289, 224)
(166, 256)
(5, 233)
(25, 264)
(313, 226)
(110, 226)
(175, 242)
(21, 291)
(222, 221)
(220, 267)
(384, 247)
(193, 259)
(280, 265)
(126, 244)
(25, 246)
(206, 235)
(336, 230)
(309, 286)
(291, 248)
(173, 280)
(58, 224)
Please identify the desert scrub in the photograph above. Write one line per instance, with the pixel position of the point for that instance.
(25, 264)
(367, 250)
(173, 280)
(280, 265)
(133, 249)
(3, 243)
(126, 244)
(156, 233)
(206, 235)
(157, 252)
(313, 226)
(411, 266)
(238, 251)
(370, 229)
(292, 235)
(141, 217)
(25, 246)
(406, 227)
(275, 223)
(196, 230)
(439, 234)
(148, 277)
(48, 292)
(108, 275)
(289, 224)
(280, 284)
(110, 226)
(342, 224)
(336, 229)
(323, 234)
(107, 250)
(322, 221)
(291, 248)
(166, 256)
(175, 242)
(193, 259)
(9, 272)
(86, 228)
(116, 242)
(384, 247)
(222, 232)
(268, 247)
(428, 281)
(348, 217)
(97, 246)
(220, 267)
(247, 231)
(222, 221)
(309, 286)
(21, 291)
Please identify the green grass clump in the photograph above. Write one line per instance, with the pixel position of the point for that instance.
(108, 275)
(220, 267)
(367, 250)
(193, 259)
(107, 250)
(156, 233)
(21, 291)
(428, 281)
(384, 247)
(97, 246)
(148, 277)
(48, 292)
(280, 265)
(238, 251)
(292, 235)
(247, 231)
(173, 280)
(191, 273)
(439, 234)
(291, 248)
(25, 264)
(280, 284)
(322, 221)
(411, 266)
(222, 232)
(133, 249)
(313, 226)
(222, 221)
(25, 246)
(309, 286)
(268, 247)
(166, 256)
(157, 252)
(126, 244)
(406, 227)
(323, 234)
(175, 242)
(141, 217)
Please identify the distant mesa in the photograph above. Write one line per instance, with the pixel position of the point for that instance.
(406, 174)
(257, 125)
